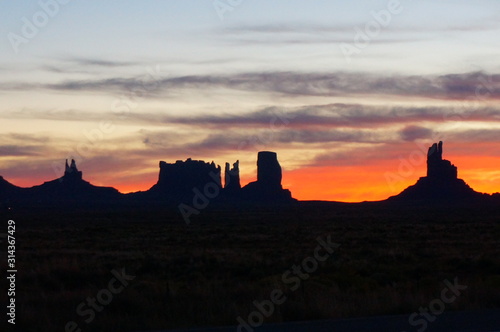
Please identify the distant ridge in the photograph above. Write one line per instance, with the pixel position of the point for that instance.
(70, 187)
(194, 181)
(441, 185)
(8, 190)
(178, 182)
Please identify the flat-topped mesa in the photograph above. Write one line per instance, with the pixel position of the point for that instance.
(437, 167)
(232, 177)
(181, 177)
(71, 172)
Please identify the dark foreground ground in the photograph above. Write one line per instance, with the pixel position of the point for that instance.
(454, 321)
(391, 261)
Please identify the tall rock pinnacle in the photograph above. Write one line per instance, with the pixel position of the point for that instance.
(232, 176)
(268, 186)
(71, 172)
(441, 183)
(437, 167)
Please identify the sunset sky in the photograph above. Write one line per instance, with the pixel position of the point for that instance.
(349, 93)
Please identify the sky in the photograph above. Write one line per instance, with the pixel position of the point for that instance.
(350, 94)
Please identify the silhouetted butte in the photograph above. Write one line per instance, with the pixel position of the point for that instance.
(441, 183)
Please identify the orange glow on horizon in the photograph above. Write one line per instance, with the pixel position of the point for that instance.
(345, 183)
(370, 182)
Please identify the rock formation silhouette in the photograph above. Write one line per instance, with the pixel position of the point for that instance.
(69, 188)
(437, 167)
(441, 183)
(72, 187)
(232, 177)
(176, 181)
(71, 173)
(268, 169)
(183, 180)
(268, 186)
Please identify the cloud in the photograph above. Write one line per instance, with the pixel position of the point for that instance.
(101, 62)
(330, 115)
(228, 141)
(314, 40)
(309, 33)
(88, 66)
(23, 145)
(475, 135)
(25, 138)
(338, 115)
(468, 86)
(412, 132)
(314, 29)
(303, 28)
(19, 150)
